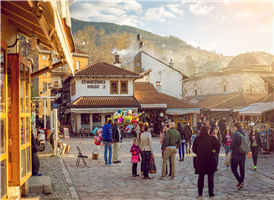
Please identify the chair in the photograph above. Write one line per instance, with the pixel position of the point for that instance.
(81, 132)
(80, 155)
(86, 132)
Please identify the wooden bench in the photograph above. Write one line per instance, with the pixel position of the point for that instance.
(80, 156)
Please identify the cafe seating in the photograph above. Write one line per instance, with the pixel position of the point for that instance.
(79, 157)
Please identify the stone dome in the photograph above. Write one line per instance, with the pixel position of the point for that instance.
(212, 66)
(246, 59)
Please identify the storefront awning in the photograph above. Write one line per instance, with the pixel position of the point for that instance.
(97, 110)
(258, 110)
(220, 109)
(153, 105)
(182, 111)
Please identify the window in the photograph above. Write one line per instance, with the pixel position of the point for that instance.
(196, 92)
(85, 119)
(44, 57)
(224, 88)
(44, 86)
(124, 87)
(43, 68)
(266, 87)
(73, 92)
(77, 65)
(113, 87)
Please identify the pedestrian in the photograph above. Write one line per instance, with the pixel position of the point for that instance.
(207, 124)
(226, 139)
(204, 146)
(255, 145)
(199, 125)
(59, 143)
(181, 148)
(146, 150)
(136, 129)
(214, 125)
(172, 143)
(107, 140)
(188, 135)
(141, 125)
(216, 133)
(222, 126)
(135, 158)
(163, 147)
(116, 137)
(35, 159)
(237, 159)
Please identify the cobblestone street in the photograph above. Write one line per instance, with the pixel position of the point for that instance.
(102, 182)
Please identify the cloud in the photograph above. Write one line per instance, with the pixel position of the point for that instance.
(176, 8)
(177, 24)
(158, 14)
(204, 27)
(115, 12)
(200, 9)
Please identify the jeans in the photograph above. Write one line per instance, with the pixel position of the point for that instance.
(181, 150)
(234, 166)
(108, 149)
(145, 162)
(255, 151)
(188, 142)
(134, 168)
(210, 184)
(167, 154)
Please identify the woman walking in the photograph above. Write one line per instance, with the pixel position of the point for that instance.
(204, 146)
(181, 148)
(255, 145)
(146, 149)
(216, 133)
(227, 138)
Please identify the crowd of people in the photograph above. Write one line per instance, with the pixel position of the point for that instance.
(205, 143)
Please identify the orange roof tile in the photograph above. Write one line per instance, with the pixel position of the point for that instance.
(269, 98)
(145, 93)
(173, 102)
(104, 102)
(212, 100)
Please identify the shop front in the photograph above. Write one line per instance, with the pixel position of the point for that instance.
(183, 116)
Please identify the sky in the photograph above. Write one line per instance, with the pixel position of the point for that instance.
(229, 27)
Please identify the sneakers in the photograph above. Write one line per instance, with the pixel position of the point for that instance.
(162, 178)
(255, 167)
(240, 185)
(171, 178)
(118, 161)
(112, 165)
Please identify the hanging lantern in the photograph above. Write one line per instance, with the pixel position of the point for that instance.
(33, 40)
(50, 62)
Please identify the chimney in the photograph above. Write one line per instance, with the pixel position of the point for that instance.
(171, 63)
(158, 86)
(117, 63)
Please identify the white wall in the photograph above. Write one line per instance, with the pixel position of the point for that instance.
(82, 90)
(171, 79)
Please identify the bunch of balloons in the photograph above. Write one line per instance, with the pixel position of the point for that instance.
(98, 137)
(127, 117)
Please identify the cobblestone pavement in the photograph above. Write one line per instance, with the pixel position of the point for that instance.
(102, 182)
(54, 168)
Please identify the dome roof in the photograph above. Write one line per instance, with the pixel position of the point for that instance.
(246, 59)
(212, 66)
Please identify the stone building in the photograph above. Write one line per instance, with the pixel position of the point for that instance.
(242, 74)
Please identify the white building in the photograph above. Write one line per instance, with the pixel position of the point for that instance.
(170, 78)
(96, 92)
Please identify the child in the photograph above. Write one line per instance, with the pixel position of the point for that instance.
(135, 157)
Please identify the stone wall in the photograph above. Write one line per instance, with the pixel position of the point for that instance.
(247, 82)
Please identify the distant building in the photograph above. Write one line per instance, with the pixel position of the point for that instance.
(171, 79)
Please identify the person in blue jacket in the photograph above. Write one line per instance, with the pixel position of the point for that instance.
(107, 140)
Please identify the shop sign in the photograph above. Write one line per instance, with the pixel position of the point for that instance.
(95, 84)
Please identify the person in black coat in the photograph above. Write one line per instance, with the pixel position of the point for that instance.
(188, 136)
(35, 160)
(205, 147)
(255, 145)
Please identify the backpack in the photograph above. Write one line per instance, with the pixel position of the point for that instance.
(245, 144)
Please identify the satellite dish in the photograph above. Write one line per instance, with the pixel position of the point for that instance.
(138, 64)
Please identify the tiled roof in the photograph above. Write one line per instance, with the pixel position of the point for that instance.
(102, 68)
(212, 66)
(246, 59)
(269, 80)
(212, 100)
(255, 98)
(173, 102)
(145, 93)
(269, 98)
(104, 102)
(237, 101)
(80, 52)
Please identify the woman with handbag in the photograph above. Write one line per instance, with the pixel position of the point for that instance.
(146, 150)
(204, 146)
(135, 157)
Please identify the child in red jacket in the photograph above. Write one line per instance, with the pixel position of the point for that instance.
(135, 158)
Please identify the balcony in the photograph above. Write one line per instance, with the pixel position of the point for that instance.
(62, 70)
(55, 85)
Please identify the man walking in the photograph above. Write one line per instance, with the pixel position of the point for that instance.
(116, 135)
(172, 143)
(188, 133)
(238, 159)
(107, 140)
(214, 125)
